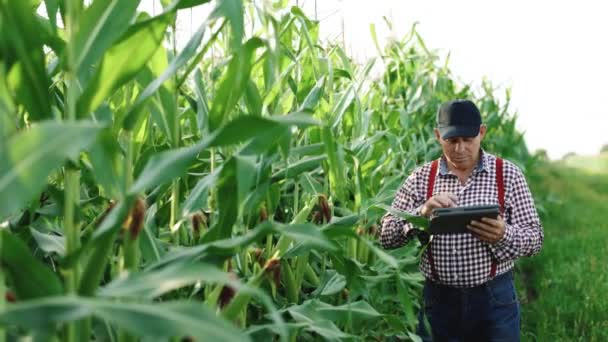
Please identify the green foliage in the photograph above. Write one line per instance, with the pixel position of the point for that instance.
(596, 164)
(123, 61)
(32, 279)
(23, 58)
(31, 155)
(563, 289)
(157, 320)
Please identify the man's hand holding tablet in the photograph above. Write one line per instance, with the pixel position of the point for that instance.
(485, 222)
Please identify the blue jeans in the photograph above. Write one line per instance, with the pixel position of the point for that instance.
(488, 312)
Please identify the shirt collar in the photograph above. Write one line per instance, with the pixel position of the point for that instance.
(482, 165)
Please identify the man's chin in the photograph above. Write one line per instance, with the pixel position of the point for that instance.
(461, 163)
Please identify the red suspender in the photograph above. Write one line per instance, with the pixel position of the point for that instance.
(501, 200)
(429, 190)
(501, 186)
(429, 194)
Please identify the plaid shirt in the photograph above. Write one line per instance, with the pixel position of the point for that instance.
(462, 260)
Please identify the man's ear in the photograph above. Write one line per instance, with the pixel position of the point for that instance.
(437, 135)
(482, 131)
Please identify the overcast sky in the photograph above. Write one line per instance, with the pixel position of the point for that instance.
(553, 54)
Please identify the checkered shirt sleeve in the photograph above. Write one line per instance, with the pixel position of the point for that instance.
(396, 231)
(523, 232)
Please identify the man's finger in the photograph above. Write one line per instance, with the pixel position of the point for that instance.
(452, 202)
(491, 221)
(442, 202)
(452, 197)
(482, 234)
(446, 201)
(433, 204)
(484, 226)
(449, 197)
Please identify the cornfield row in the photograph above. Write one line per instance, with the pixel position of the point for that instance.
(225, 191)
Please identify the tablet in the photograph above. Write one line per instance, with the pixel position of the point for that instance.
(455, 220)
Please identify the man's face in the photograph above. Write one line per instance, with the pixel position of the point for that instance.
(461, 152)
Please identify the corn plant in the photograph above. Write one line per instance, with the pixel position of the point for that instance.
(228, 190)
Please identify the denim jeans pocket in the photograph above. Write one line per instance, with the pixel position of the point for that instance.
(502, 291)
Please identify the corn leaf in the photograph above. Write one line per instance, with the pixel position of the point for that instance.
(153, 283)
(233, 84)
(122, 61)
(158, 320)
(418, 221)
(167, 165)
(49, 243)
(31, 278)
(24, 55)
(101, 24)
(33, 154)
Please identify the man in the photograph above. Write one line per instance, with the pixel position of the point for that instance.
(469, 293)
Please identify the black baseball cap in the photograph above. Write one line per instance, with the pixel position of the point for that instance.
(458, 118)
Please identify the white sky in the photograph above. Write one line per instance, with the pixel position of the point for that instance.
(553, 54)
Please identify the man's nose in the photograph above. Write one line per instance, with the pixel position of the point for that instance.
(458, 147)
